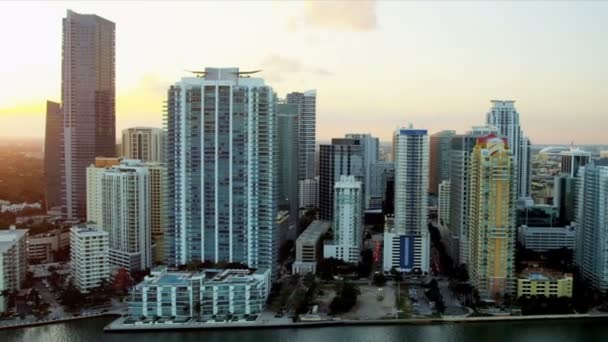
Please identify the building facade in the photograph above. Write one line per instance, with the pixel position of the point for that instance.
(411, 150)
(89, 253)
(122, 194)
(343, 157)
(287, 123)
(439, 165)
(505, 118)
(381, 173)
(540, 283)
(222, 185)
(13, 261)
(309, 193)
(309, 248)
(53, 143)
(347, 221)
(143, 143)
(208, 294)
(307, 131)
(591, 252)
(492, 218)
(443, 206)
(88, 102)
(41, 248)
(371, 150)
(542, 239)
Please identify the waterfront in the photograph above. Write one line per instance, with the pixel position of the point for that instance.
(537, 331)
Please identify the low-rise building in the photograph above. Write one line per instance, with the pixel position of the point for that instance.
(41, 248)
(90, 249)
(544, 283)
(208, 294)
(13, 261)
(542, 239)
(309, 247)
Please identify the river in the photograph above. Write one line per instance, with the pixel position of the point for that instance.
(537, 331)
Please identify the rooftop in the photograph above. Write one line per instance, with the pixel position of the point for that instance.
(160, 276)
(8, 238)
(315, 230)
(539, 274)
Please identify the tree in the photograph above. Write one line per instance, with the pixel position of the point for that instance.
(379, 279)
(122, 281)
(367, 262)
(71, 297)
(346, 298)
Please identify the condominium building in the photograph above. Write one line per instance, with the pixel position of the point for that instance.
(505, 118)
(287, 119)
(13, 261)
(591, 251)
(492, 218)
(543, 283)
(206, 295)
(382, 173)
(53, 142)
(439, 165)
(443, 207)
(460, 164)
(402, 252)
(341, 157)
(89, 249)
(348, 221)
(122, 194)
(411, 150)
(143, 143)
(88, 102)
(41, 248)
(307, 131)
(309, 248)
(158, 220)
(309, 192)
(542, 239)
(222, 184)
(371, 151)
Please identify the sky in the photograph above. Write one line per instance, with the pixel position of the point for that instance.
(376, 65)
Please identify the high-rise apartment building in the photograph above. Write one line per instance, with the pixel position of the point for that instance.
(439, 166)
(88, 102)
(348, 221)
(287, 123)
(460, 163)
(53, 142)
(158, 177)
(343, 157)
(143, 143)
(89, 253)
(411, 155)
(13, 261)
(122, 196)
(505, 118)
(591, 251)
(381, 173)
(574, 159)
(307, 130)
(492, 229)
(222, 184)
(370, 149)
(443, 203)
(309, 193)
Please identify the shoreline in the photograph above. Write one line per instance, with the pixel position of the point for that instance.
(118, 327)
(56, 321)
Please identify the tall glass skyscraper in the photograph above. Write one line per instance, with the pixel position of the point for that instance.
(440, 159)
(53, 142)
(287, 118)
(88, 102)
(221, 159)
(307, 131)
(371, 151)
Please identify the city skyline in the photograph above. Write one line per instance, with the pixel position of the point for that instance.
(438, 78)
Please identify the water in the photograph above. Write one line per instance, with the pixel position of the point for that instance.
(549, 331)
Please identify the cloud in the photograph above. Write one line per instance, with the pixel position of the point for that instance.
(276, 67)
(357, 16)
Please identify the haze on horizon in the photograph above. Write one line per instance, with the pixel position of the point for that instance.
(375, 65)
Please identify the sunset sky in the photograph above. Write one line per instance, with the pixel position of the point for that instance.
(375, 65)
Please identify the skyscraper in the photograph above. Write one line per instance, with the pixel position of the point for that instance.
(307, 121)
(381, 173)
(564, 184)
(287, 119)
(343, 157)
(370, 148)
(591, 251)
(440, 159)
(143, 143)
(88, 102)
(505, 118)
(574, 159)
(411, 151)
(122, 196)
(348, 221)
(460, 164)
(222, 162)
(53, 141)
(492, 228)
